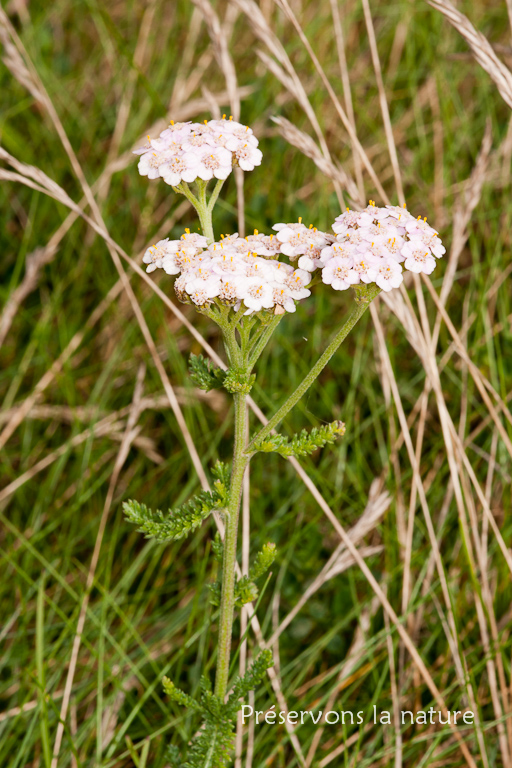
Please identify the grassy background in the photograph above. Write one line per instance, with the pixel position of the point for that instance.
(111, 71)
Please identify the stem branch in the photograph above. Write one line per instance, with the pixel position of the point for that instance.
(364, 298)
(227, 603)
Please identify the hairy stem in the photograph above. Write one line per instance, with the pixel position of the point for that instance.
(227, 603)
(262, 341)
(364, 297)
(204, 210)
(213, 198)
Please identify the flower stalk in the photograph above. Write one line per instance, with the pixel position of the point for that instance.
(227, 605)
(365, 296)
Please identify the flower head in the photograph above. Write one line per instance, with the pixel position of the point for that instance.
(230, 272)
(375, 246)
(190, 151)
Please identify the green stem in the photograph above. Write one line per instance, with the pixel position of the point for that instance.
(213, 198)
(204, 211)
(227, 603)
(233, 350)
(262, 341)
(202, 207)
(364, 297)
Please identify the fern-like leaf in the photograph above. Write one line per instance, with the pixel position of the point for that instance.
(179, 696)
(212, 745)
(238, 381)
(176, 524)
(218, 548)
(185, 519)
(249, 681)
(246, 590)
(263, 561)
(204, 374)
(303, 443)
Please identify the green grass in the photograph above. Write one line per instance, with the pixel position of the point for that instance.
(148, 613)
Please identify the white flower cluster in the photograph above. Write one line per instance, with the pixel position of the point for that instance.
(190, 151)
(375, 245)
(306, 244)
(371, 246)
(233, 271)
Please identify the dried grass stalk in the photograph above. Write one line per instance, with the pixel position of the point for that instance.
(308, 147)
(482, 49)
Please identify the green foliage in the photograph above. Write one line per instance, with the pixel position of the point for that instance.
(251, 679)
(173, 757)
(263, 561)
(246, 591)
(221, 472)
(212, 744)
(205, 374)
(303, 443)
(218, 548)
(179, 696)
(183, 520)
(239, 381)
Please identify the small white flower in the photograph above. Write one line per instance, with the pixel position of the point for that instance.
(179, 288)
(214, 161)
(199, 140)
(297, 240)
(256, 266)
(366, 267)
(256, 295)
(248, 156)
(280, 271)
(338, 273)
(335, 250)
(193, 240)
(351, 238)
(282, 298)
(177, 132)
(180, 168)
(395, 247)
(375, 233)
(151, 162)
(298, 280)
(419, 227)
(156, 254)
(389, 275)
(228, 263)
(430, 241)
(203, 281)
(372, 215)
(347, 219)
(147, 146)
(200, 297)
(418, 258)
(188, 262)
(229, 290)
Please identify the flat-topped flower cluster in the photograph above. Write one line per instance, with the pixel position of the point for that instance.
(375, 245)
(233, 271)
(370, 246)
(190, 151)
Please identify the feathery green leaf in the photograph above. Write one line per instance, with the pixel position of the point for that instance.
(204, 374)
(212, 745)
(303, 443)
(181, 521)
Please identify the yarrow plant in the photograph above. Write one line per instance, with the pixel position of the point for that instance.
(247, 285)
